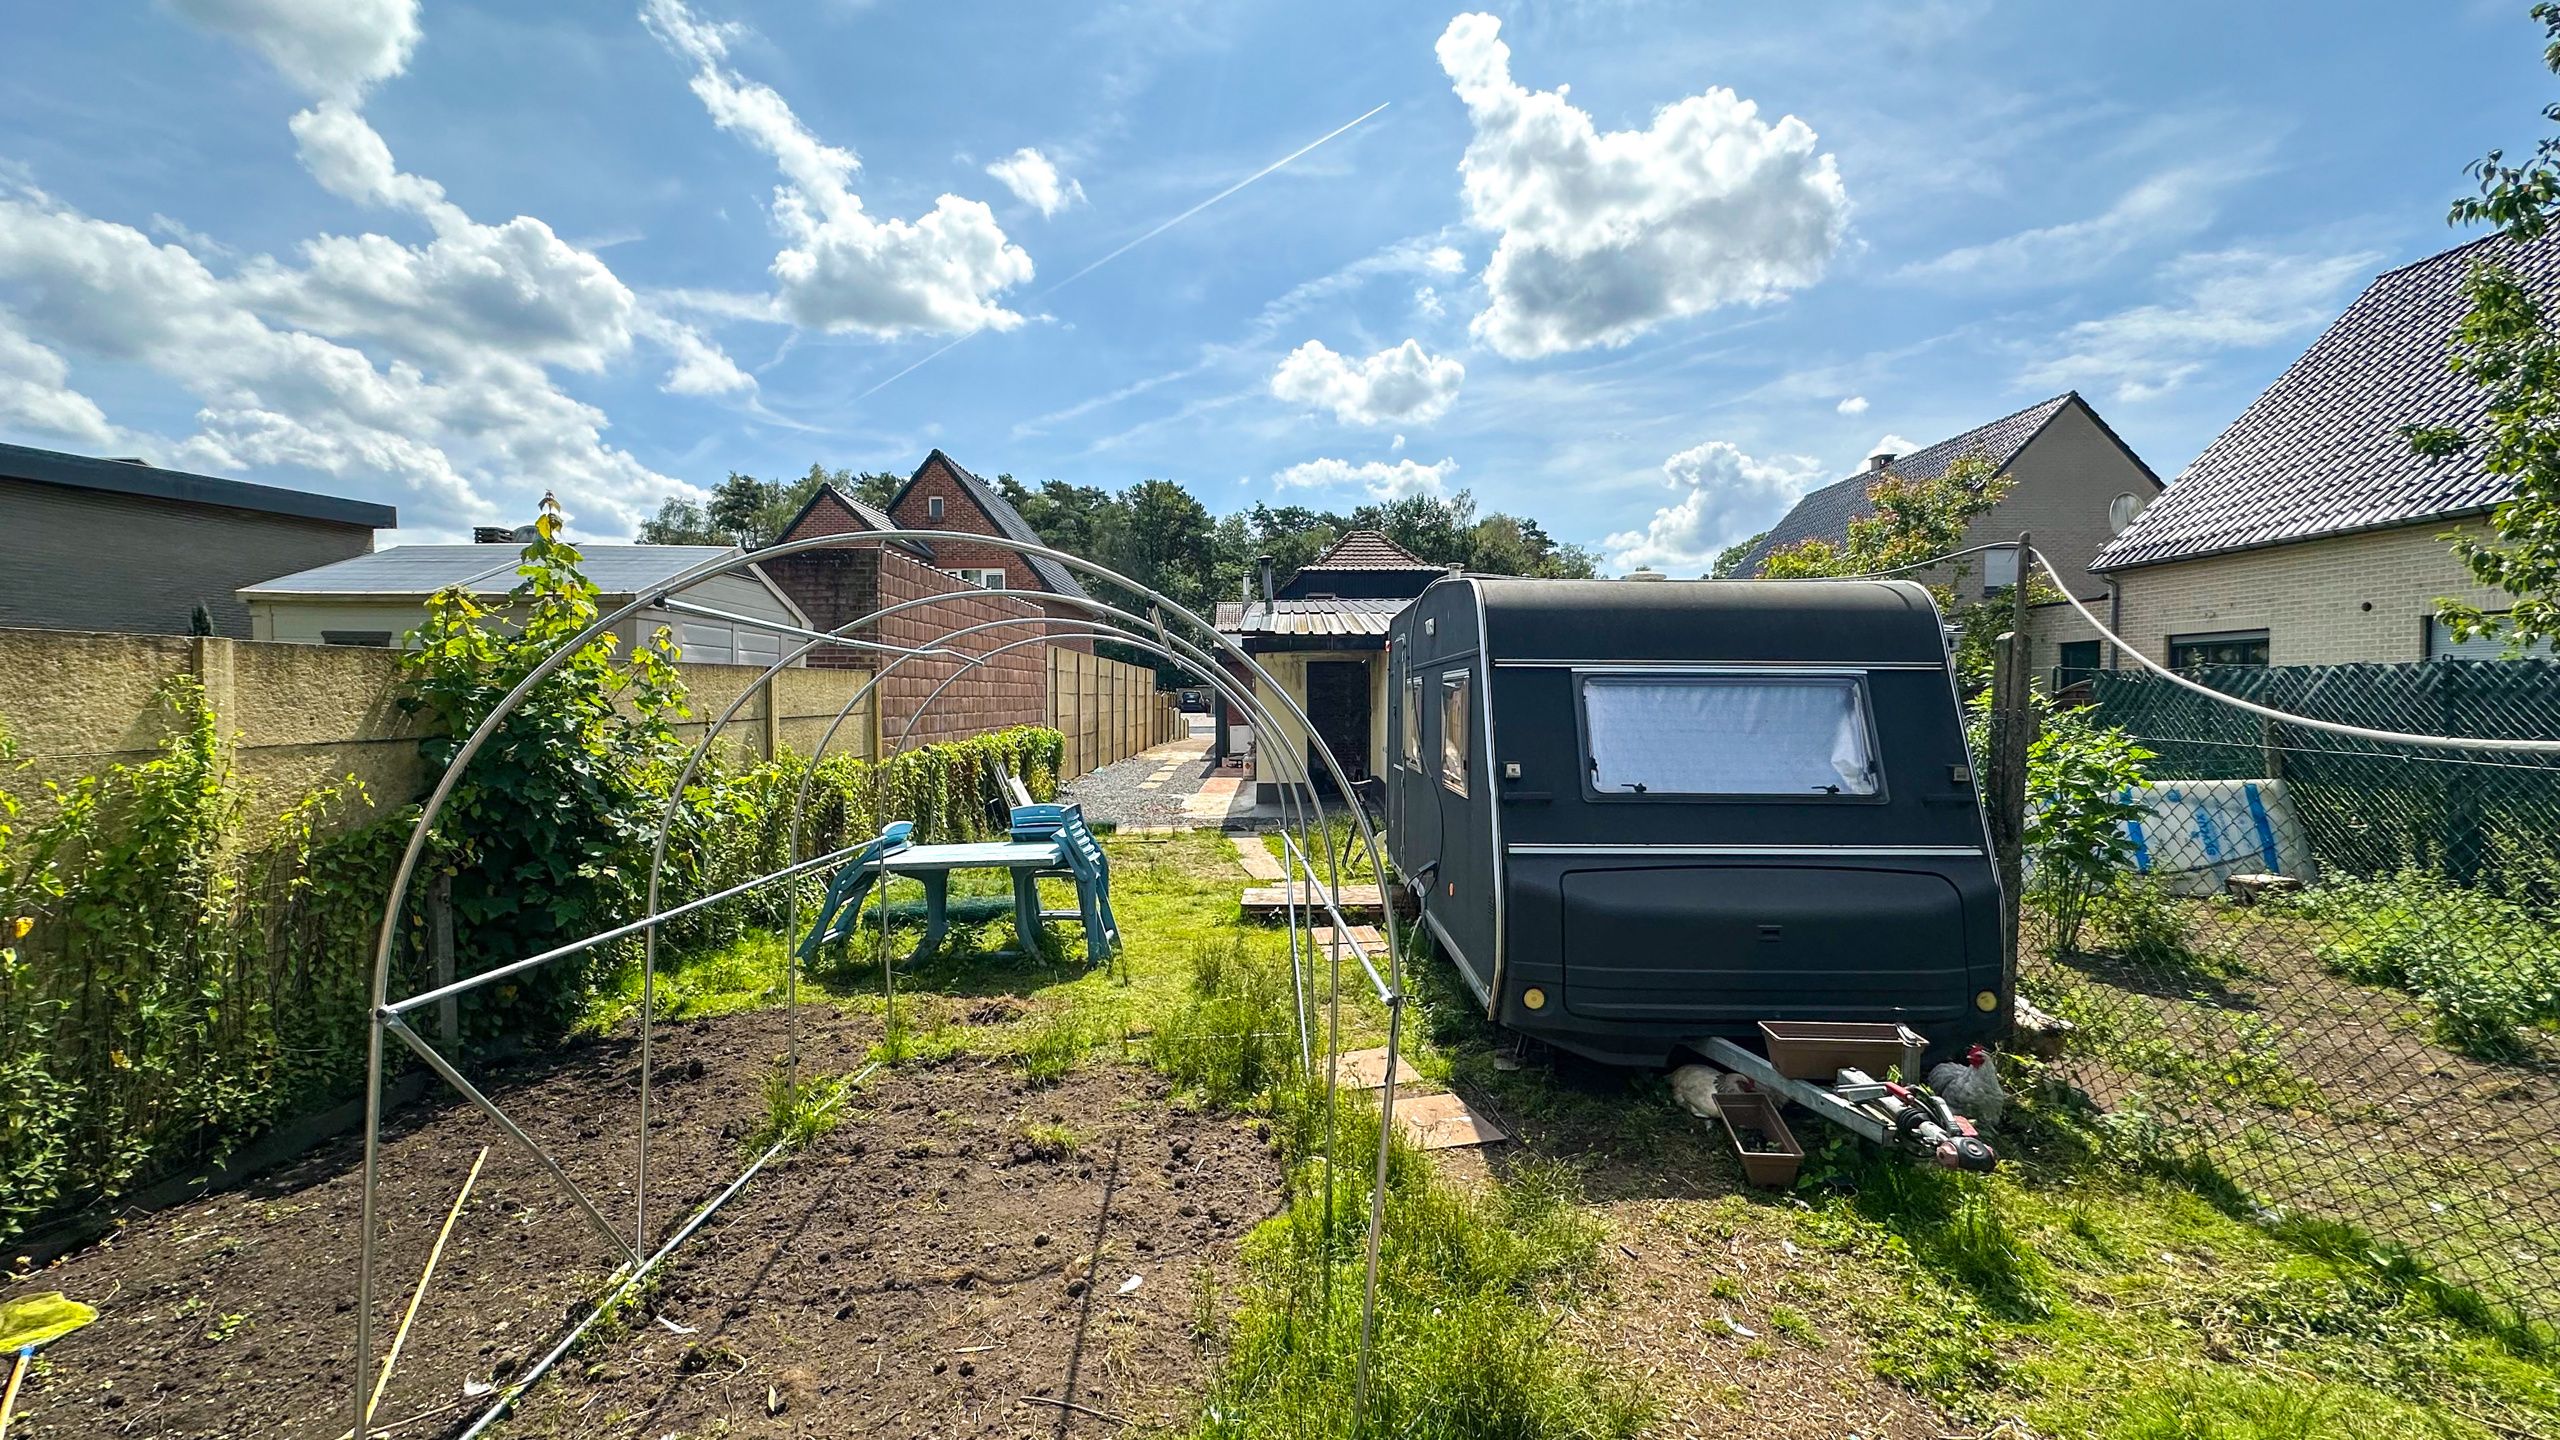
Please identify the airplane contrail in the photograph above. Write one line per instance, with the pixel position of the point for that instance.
(1141, 240)
(1205, 204)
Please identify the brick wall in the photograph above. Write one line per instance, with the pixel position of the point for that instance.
(914, 511)
(836, 586)
(2321, 602)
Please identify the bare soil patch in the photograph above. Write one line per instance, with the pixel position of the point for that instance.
(833, 1297)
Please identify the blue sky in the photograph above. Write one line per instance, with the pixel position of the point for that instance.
(1642, 270)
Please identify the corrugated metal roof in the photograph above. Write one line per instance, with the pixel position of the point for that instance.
(1825, 513)
(2321, 453)
(488, 570)
(1308, 617)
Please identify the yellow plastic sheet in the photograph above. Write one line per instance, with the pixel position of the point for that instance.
(40, 1319)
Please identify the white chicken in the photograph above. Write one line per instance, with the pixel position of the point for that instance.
(1971, 1086)
(1700, 1089)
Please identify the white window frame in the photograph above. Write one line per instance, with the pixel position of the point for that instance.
(1854, 681)
(1456, 755)
(1411, 756)
(933, 507)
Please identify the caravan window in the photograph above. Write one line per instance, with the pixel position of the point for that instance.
(1453, 730)
(1412, 721)
(1793, 735)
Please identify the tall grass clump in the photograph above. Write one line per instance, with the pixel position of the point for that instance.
(1473, 1284)
(796, 1110)
(1232, 1039)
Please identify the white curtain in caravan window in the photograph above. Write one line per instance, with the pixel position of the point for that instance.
(1713, 736)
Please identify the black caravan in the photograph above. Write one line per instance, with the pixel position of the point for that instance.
(1639, 813)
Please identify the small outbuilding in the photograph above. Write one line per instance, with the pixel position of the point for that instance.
(1638, 814)
(1322, 635)
(377, 599)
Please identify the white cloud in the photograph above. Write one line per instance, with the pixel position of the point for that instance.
(334, 49)
(1854, 405)
(1603, 236)
(1034, 180)
(2220, 300)
(1427, 300)
(1891, 444)
(1726, 497)
(36, 393)
(1404, 385)
(840, 269)
(1382, 480)
(2177, 202)
(1445, 260)
(1396, 446)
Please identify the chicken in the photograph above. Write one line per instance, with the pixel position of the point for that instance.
(1971, 1087)
(1701, 1088)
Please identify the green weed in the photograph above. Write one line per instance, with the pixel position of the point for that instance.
(795, 1111)
(1234, 1037)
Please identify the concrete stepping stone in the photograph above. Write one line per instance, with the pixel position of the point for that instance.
(1367, 1070)
(1257, 858)
(1443, 1122)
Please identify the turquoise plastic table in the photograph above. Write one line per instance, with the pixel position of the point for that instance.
(1069, 850)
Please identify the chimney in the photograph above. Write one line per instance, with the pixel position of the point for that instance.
(1646, 574)
(1262, 563)
(1879, 460)
(491, 535)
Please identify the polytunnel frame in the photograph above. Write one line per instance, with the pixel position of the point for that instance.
(386, 1017)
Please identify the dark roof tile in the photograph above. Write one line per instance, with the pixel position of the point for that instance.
(1825, 513)
(2321, 453)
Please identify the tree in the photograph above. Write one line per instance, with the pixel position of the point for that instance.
(1914, 521)
(2506, 346)
(744, 510)
(1729, 559)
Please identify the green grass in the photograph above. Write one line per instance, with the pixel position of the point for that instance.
(2092, 1287)
(797, 1110)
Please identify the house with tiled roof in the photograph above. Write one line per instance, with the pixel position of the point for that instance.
(1322, 636)
(2309, 532)
(2074, 482)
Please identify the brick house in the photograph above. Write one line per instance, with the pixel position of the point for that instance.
(2308, 533)
(942, 495)
(2073, 483)
(834, 586)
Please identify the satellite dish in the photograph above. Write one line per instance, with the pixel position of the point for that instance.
(2120, 512)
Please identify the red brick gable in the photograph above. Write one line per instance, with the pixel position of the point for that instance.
(827, 513)
(961, 512)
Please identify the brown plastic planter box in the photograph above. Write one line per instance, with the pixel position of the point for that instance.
(1819, 1050)
(1747, 1112)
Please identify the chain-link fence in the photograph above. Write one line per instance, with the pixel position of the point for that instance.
(2333, 967)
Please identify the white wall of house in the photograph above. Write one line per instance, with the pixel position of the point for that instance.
(385, 619)
(2343, 600)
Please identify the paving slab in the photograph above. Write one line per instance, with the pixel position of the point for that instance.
(1257, 858)
(1443, 1122)
(1367, 1070)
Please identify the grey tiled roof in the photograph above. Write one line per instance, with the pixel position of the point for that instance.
(487, 569)
(1825, 513)
(2321, 453)
(1054, 577)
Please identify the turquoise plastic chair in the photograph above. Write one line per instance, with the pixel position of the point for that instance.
(845, 893)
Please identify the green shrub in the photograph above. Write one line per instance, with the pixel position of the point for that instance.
(2136, 918)
(2486, 967)
(2078, 780)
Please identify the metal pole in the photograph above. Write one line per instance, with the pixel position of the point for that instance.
(1378, 1210)
(471, 1092)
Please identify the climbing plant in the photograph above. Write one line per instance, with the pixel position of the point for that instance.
(545, 834)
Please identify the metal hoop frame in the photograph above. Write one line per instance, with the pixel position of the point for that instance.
(387, 1017)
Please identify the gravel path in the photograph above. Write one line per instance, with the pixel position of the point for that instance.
(1147, 789)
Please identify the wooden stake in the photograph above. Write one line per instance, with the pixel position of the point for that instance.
(383, 1381)
(9, 1401)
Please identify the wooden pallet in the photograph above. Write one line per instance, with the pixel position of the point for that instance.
(1356, 902)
